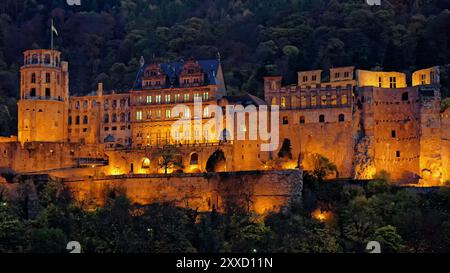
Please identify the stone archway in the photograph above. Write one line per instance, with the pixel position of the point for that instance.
(216, 162)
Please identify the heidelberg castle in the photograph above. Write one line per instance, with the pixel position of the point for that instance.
(364, 122)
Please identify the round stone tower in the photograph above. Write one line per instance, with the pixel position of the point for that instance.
(44, 97)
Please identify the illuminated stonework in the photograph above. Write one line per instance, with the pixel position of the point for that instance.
(364, 122)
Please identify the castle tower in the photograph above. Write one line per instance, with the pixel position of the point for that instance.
(44, 97)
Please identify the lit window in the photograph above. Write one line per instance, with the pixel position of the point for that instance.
(167, 113)
(158, 99)
(333, 100)
(344, 99)
(145, 163)
(392, 82)
(167, 98)
(158, 113)
(303, 101)
(205, 96)
(187, 112)
(149, 99)
(274, 101)
(139, 115)
(283, 102)
(206, 111)
(323, 100)
(186, 97)
(313, 100)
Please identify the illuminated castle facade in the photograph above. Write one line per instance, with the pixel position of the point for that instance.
(362, 121)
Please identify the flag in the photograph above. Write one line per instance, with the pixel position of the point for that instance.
(54, 29)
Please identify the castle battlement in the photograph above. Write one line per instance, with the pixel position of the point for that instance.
(363, 121)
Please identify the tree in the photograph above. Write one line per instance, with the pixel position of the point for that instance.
(322, 166)
(168, 158)
(389, 239)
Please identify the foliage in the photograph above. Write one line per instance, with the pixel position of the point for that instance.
(322, 166)
(104, 40)
(168, 157)
(401, 219)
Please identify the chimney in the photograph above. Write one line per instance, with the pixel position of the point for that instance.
(100, 89)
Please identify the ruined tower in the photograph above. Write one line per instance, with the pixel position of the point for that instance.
(44, 97)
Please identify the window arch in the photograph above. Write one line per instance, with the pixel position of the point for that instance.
(283, 102)
(274, 101)
(194, 159)
(85, 120)
(114, 117)
(70, 120)
(146, 163)
(122, 117)
(341, 118)
(77, 120)
(106, 118)
(322, 118)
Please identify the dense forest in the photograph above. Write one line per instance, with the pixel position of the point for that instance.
(333, 217)
(104, 39)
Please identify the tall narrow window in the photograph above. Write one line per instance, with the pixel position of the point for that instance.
(283, 102)
(139, 115)
(47, 77)
(392, 82)
(380, 82)
(33, 78)
(47, 92)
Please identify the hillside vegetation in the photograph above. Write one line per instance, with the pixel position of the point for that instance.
(104, 39)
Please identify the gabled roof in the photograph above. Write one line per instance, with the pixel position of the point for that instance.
(173, 69)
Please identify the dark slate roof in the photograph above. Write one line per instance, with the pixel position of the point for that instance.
(173, 69)
(245, 100)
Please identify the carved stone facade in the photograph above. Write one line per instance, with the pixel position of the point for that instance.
(364, 122)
